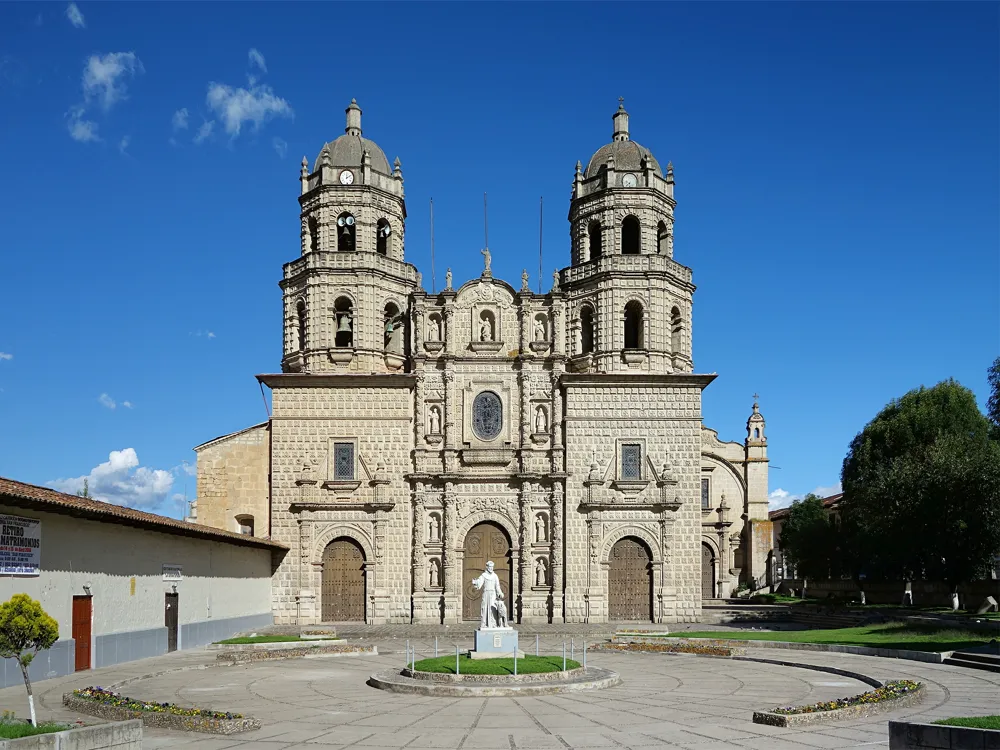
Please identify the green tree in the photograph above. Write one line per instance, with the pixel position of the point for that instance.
(993, 402)
(25, 629)
(922, 488)
(85, 492)
(807, 538)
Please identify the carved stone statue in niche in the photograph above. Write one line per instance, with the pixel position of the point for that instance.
(541, 572)
(539, 329)
(435, 574)
(541, 421)
(435, 421)
(540, 530)
(434, 329)
(485, 329)
(433, 527)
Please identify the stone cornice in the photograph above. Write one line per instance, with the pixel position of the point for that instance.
(665, 380)
(334, 380)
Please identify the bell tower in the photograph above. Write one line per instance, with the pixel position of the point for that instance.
(630, 301)
(347, 297)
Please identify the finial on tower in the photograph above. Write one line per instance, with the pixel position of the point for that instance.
(620, 119)
(353, 118)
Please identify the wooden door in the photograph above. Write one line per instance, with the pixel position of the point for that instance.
(630, 581)
(343, 582)
(170, 619)
(485, 542)
(82, 609)
(707, 572)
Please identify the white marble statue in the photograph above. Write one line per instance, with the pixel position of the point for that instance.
(489, 583)
(539, 330)
(485, 330)
(435, 421)
(541, 423)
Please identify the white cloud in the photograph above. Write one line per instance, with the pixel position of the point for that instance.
(280, 146)
(256, 58)
(180, 120)
(127, 404)
(780, 498)
(106, 401)
(80, 129)
(123, 143)
(205, 334)
(75, 16)
(104, 77)
(204, 132)
(238, 106)
(122, 481)
(6, 355)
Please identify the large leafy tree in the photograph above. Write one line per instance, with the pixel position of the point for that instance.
(993, 401)
(922, 488)
(807, 538)
(25, 629)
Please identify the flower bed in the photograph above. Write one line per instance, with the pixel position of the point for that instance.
(892, 695)
(235, 655)
(107, 704)
(675, 647)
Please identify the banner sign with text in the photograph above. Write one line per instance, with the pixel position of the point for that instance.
(20, 546)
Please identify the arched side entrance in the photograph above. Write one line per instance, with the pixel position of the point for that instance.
(343, 590)
(630, 581)
(485, 541)
(707, 571)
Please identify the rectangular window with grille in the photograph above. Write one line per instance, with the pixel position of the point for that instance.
(343, 462)
(706, 500)
(631, 461)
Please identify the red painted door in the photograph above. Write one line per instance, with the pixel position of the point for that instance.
(82, 610)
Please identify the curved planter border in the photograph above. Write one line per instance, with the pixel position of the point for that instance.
(276, 646)
(593, 678)
(162, 720)
(931, 657)
(243, 656)
(494, 679)
(848, 712)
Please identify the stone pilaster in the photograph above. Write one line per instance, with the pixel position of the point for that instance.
(558, 585)
(452, 586)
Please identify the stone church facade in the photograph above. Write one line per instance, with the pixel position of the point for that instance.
(416, 435)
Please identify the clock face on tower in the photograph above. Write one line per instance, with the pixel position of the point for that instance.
(629, 181)
(347, 177)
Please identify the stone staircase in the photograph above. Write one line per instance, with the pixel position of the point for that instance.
(820, 620)
(987, 658)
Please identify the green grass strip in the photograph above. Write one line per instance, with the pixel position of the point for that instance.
(261, 639)
(895, 635)
(12, 730)
(975, 722)
(527, 665)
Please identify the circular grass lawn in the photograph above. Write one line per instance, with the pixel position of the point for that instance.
(525, 665)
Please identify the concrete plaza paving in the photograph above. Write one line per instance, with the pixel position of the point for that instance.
(665, 702)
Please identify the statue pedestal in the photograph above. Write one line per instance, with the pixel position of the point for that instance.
(495, 643)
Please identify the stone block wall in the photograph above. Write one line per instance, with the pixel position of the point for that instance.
(232, 480)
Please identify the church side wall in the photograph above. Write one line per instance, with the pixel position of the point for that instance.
(232, 480)
(667, 420)
(305, 423)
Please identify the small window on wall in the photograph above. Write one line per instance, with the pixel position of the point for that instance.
(245, 524)
(343, 462)
(631, 461)
(706, 499)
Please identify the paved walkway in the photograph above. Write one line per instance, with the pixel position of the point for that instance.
(665, 702)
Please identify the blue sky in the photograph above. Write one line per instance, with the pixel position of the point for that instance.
(837, 186)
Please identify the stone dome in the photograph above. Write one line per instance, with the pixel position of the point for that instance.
(346, 150)
(627, 153)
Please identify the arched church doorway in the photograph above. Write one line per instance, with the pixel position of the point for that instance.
(707, 572)
(630, 581)
(484, 542)
(343, 588)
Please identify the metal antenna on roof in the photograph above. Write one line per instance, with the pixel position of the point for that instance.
(541, 206)
(433, 281)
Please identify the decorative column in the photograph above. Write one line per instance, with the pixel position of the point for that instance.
(419, 426)
(557, 417)
(524, 562)
(418, 330)
(418, 538)
(450, 415)
(450, 568)
(449, 326)
(558, 328)
(558, 589)
(524, 385)
(305, 599)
